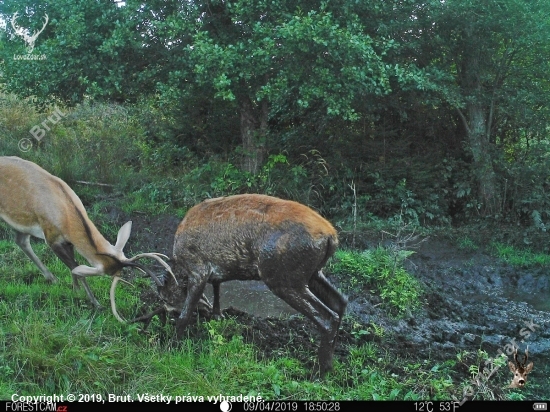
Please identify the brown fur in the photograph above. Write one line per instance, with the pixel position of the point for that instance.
(256, 237)
(36, 203)
(260, 208)
(520, 370)
(33, 197)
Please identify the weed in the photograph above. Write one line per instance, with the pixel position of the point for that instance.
(383, 272)
(466, 244)
(483, 382)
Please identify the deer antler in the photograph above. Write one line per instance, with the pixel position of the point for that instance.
(519, 370)
(158, 257)
(18, 30)
(22, 32)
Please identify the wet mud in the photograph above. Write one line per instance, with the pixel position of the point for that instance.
(472, 301)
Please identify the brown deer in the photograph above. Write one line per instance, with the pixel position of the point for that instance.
(35, 203)
(255, 237)
(519, 370)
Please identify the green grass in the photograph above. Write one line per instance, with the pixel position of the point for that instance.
(466, 244)
(519, 257)
(53, 341)
(380, 270)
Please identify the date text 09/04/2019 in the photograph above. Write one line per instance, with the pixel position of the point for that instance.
(291, 406)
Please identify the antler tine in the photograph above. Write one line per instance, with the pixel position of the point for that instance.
(205, 302)
(112, 298)
(151, 253)
(18, 30)
(144, 270)
(37, 32)
(158, 257)
(128, 283)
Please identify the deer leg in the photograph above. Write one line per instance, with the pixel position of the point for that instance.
(146, 319)
(216, 308)
(65, 252)
(197, 281)
(23, 241)
(327, 320)
(329, 295)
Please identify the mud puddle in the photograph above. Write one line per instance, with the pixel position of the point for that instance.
(472, 302)
(252, 297)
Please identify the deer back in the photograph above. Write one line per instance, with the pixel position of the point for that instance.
(34, 201)
(234, 233)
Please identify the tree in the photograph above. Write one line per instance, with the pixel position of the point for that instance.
(493, 52)
(273, 57)
(92, 48)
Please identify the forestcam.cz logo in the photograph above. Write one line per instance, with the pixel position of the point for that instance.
(29, 39)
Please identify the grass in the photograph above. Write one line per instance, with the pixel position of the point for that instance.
(380, 270)
(466, 244)
(53, 341)
(523, 258)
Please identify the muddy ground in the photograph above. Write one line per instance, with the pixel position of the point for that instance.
(472, 301)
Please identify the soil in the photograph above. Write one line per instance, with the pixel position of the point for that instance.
(473, 301)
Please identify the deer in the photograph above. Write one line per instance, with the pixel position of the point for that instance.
(283, 243)
(35, 203)
(519, 370)
(30, 40)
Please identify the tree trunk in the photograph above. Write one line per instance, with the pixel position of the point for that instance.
(478, 139)
(477, 122)
(253, 133)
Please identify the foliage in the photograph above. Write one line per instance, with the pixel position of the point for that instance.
(381, 271)
(91, 49)
(484, 375)
(518, 257)
(443, 116)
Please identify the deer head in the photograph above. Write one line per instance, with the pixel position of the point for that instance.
(21, 32)
(35, 203)
(519, 370)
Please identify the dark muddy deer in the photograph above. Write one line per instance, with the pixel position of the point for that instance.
(255, 237)
(519, 370)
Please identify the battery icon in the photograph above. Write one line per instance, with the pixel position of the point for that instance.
(539, 406)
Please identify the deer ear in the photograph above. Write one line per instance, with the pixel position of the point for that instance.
(512, 367)
(84, 270)
(529, 367)
(123, 236)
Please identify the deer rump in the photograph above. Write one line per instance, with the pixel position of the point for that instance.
(254, 237)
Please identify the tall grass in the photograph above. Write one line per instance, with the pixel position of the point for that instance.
(104, 150)
(519, 257)
(382, 271)
(92, 142)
